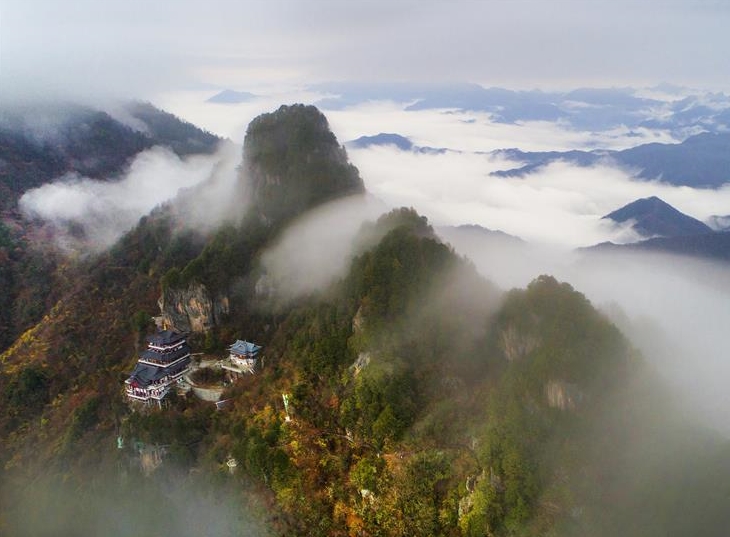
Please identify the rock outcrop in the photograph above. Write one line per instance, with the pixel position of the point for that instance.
(192, 308)
(563, 395)
(517, 344)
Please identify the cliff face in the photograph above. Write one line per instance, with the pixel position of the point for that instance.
(563, 395)
(191, 308)
(517, 344)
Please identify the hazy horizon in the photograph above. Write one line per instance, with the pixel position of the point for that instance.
(120, 49)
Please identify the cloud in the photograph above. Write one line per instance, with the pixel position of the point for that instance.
(560, 204)
(475, 131)
(229, 120)
(117, 503)
(318, 246)
(103, 210)
(221, 196)
(130, 47)
(677, 316)
(673, 309)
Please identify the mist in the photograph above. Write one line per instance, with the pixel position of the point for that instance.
(90, 214)
(472, 131)
(461, 130)
(318, 246)
(122, 503)
(673, 309)
(560, 204)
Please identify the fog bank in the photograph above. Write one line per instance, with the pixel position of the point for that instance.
(93, 214)
(561, 204)
(318, 246)
(674, 309)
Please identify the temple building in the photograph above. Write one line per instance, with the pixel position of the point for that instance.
(242, 358)
(160, 366)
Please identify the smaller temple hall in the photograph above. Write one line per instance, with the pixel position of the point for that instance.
(242, 358)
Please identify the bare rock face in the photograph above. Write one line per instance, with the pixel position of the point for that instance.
(358, 322)
(517, 344)
(563, 395)
(191, 309)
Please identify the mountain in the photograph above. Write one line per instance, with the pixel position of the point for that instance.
(166, 129)
(231, 97)
(654, 217)
(690, 112)
(504, 105)
(35, 148)
(719, 223)
(391, 139)
(294, 162)
(699, 161)
(532, 161)
(409, 396)
(487, 238)
(45, 141)
(383, 138)
(680, 111)
(714, 246)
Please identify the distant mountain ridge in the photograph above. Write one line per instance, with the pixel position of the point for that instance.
(41, 143)
(483, 232)
(228, 96)
(383, 138)
(702, 160)
(668, 230)
(680, 111)
(392, 139)
(719, 223)
(654, 217)
(712, 246)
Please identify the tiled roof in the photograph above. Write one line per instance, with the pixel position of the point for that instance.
(245, 348)
(164, 357)
(145, 374)
(165, 337)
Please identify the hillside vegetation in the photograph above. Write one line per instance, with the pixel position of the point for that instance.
(422, 399)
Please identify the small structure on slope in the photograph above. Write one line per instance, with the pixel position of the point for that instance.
(159, 368)
(242, 359)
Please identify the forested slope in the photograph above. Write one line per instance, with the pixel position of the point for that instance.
(422, 399)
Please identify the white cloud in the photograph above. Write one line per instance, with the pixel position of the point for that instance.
(561, 204)
(673, 309)
(475, 131)
(104, 210)
(318, 246)
(229, 120)
(139, 48)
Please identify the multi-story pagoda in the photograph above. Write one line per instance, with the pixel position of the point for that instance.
(160, 366)
(242, 358)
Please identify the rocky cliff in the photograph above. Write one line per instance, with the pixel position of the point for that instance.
(191, 308)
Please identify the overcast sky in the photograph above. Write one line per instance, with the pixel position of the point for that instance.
(142, 47)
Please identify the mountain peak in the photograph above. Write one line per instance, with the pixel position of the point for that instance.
(295, 162)
(383, 138)
(228, 96)
(655, 217)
